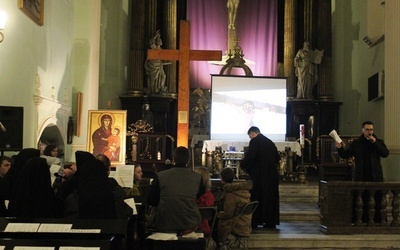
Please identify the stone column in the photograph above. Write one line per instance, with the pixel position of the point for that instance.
(170, 30)
(289, 46)
(324, 41)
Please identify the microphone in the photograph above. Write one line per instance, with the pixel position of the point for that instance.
(2, 128)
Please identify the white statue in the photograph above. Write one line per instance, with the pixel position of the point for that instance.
(155, 69)
(306, 70)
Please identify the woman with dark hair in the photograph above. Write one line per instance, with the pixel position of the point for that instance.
(50, 150)
(50, 153)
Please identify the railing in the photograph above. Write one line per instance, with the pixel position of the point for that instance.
(342, 203)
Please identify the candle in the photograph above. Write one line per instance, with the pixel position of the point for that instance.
(302, 134)
(203, 159)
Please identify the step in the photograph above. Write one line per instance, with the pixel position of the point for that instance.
(299, 192)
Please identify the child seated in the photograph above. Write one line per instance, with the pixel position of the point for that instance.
(206, 200)
(237, 195)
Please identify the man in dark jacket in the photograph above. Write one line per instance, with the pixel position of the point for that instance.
(260, 162)
(367, 152)
(173, 192)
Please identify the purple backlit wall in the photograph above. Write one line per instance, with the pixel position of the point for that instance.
(257, 29)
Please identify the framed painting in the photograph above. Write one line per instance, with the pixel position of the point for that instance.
(107, 134)
(33, 9)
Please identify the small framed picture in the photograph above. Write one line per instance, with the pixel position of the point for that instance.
(33, 9)
(107, 134)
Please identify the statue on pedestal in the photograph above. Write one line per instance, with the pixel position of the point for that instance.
(155, 69)
(305, 63)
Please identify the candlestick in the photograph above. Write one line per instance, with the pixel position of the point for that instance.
(302, 135)
(203, 159)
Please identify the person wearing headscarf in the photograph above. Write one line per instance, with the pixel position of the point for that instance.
(95, 194)
(69, 186)
(34, 197)
(8, 184)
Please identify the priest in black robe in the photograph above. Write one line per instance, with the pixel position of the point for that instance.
(260, 162)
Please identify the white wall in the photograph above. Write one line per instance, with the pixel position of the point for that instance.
(353, 62)
(62, 52)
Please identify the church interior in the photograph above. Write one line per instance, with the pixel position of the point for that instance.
(67, 63)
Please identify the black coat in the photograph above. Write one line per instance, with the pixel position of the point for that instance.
(261, 162)
(367, 157)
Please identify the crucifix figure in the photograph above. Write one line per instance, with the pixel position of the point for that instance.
(184, 55)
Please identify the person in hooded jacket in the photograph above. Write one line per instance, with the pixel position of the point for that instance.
(237, 195)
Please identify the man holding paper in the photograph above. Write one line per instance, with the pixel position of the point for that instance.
(367, 152)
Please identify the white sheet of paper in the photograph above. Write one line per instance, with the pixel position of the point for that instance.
(54, 169)
(163, 236)
(85, 231)
(22, 227)
(79, 248)
(131, 203)
(33, 248)
(52, 228)
(335, 136)
(124, 175)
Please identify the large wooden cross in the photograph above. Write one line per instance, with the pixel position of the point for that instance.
(184, 55)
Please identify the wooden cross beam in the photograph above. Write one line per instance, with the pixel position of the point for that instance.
(184, 55)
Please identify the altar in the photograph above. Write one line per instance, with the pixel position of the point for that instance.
(217, 154)
(209, 145)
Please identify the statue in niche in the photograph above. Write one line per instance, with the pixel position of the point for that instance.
(232, 10)
(305, 63)
(155, 69)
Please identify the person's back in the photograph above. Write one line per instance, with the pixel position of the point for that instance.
(34, 196)
(96, 198)
(174, 194)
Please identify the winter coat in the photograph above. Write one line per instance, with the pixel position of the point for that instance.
(237, 195)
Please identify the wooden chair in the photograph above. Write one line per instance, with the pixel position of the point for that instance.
(241, 240)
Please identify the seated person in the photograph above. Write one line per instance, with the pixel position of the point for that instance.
(135, 191)
(97, 196)
(34, 197)
(64, 173)
(50, 153)
(207, 199)
(123, 210)
(71, 184)
(173, 193)
(237, 195)
(5, 165)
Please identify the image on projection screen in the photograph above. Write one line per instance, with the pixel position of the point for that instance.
(239, 102)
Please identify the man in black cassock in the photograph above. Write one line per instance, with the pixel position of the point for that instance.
(260, 162)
